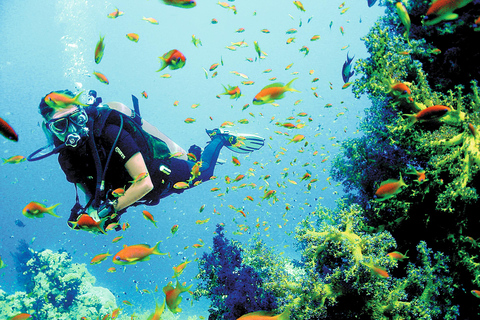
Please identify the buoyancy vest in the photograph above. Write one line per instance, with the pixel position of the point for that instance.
(79, 167)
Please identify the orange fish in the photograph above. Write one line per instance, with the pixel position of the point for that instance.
(115, 14)
(235, 161)
(191, 157)
(158, 311)
(132, 37)
(37, 210)
(299, 5)
(239, 177)
(181, 185)
(401, 88)
(112, 269)
(115, 313)
(476, 293)
(430, 113)
(273, 92)
(174, 229)
(172, 294)
(147, 215)
(135, 253)
(379, 271)
(58, 100)
(297, 138)
(269, 194)
(398, 90)
(389, 188)
(189, 120)
(287, 125)
(15, 159)
(202, 221)
(140, 177)
(112, 226)
(443, 10)
(151, 20)
(20, 316)
(395, 255)
(473, 130)
(178, 270)
(173, 59)
(7, 131)
(181, 3)
(101, 77)
(265, 315)
(116, 239)
(118, 192)
(421, 177)
(233, 92)
(99, 50)
(195, 172)
(85, 222)
(99, 258)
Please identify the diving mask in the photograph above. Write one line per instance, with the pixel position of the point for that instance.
(61, 125)
(71, 128)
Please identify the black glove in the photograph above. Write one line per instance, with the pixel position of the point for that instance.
(75, 212)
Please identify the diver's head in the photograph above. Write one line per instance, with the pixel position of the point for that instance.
(68, 123)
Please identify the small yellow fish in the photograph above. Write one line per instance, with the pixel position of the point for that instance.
(132, 37)
(202, 221)
(151, 20)
(181, 185)
(15, 159)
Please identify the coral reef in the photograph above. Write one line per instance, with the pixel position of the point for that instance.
(350, 276)
(21, 256)
(233, 287)
(424, 118)
(56, 289)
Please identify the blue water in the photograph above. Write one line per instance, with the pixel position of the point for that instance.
(50, 46)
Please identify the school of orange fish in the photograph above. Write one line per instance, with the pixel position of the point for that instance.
(269, 94)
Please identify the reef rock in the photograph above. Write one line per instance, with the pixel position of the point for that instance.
(57, 289)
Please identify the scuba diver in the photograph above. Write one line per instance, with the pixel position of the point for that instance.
(120, 160)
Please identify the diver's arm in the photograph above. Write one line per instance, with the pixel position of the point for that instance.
(135, 166)
(172, 146)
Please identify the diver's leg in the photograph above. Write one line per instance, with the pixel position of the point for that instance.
(196, 151)
(209, 157)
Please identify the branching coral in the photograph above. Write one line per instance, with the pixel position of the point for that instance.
(339, 258)
(411, 86)
(59, 289)
(233, 287)
(342, 264)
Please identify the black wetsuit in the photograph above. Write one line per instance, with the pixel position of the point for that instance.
(80, 167)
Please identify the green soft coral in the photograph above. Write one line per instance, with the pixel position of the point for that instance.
(335, 253)
(339, 283)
